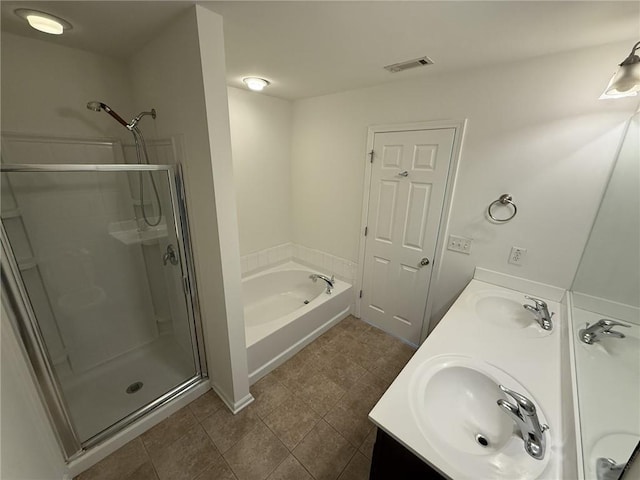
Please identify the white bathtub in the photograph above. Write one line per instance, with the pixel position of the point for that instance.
(278, 322)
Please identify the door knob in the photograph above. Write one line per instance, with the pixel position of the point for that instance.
(424, 262)
(404, 174)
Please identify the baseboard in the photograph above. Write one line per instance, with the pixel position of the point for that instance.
(234, 406)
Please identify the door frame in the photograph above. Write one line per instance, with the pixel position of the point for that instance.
(459, 127)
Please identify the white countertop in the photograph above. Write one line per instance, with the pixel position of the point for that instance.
(521, 349)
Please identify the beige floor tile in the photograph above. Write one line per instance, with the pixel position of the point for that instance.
(290, 469)
(257, 455)
(169, 430)
(120, 464)
(367, 446)
(206, 405)
(296, 371)
(145, 472)
(321, 393)
(218, 471)
(269, 393)
(364, 394)
(351, 423)
(386, 371)
(227, 429)
(291, 421)
(352, 324)
(357, 469)
(363, 354)
(187, 457)
(324, 452)
(343, 370)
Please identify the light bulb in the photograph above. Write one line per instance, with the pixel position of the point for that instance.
(255, 83)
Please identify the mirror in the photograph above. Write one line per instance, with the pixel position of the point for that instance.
(606, 321)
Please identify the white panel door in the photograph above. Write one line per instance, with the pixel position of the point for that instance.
(408, 180)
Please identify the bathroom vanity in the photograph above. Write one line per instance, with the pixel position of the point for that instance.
(441, 417)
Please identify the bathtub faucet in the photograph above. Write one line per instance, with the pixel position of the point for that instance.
(330, 281)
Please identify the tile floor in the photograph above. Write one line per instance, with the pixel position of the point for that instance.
(308, 420)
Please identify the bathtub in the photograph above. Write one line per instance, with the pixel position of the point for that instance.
(284, 311)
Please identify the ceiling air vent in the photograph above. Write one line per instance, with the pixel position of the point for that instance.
(416, 62)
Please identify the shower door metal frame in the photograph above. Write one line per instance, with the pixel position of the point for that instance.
(15, 296)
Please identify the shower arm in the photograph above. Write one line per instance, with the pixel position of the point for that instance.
(117, 117)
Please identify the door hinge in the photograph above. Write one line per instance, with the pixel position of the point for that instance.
(360, 293)
(366, 230)
(185, 285)
(371, 154)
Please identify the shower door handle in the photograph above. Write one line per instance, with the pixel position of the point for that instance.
(170, 256)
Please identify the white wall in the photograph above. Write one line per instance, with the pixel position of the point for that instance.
(536, 129)
(261, 145)
(28, 448)
(168, 74)
(46, 87)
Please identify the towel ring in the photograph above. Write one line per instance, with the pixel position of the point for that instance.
(505, 199)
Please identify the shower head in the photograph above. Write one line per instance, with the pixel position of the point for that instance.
(97, 106)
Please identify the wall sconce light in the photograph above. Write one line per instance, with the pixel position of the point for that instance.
(256, 83)
(43, 22)
(626, 81)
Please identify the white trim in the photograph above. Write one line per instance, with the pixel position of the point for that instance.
(459, 128)
(530, 287)
(574, 387)
(235, 407)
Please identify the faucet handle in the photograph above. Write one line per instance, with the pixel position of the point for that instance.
(607, 324)
(523, 402)
(539, 303)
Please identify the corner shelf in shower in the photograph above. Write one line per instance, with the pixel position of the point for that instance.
(10, 213)
(127, 232)
(27, 264)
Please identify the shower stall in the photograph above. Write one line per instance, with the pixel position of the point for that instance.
(99, 278)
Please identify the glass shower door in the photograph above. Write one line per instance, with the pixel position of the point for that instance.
(98, 256)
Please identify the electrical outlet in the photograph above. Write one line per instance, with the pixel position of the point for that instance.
(517, 255)
(459, 244)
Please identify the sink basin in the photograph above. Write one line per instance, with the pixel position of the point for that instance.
(453, 400)
(506, 311)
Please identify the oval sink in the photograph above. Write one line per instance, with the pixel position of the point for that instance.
(454, 402)
(507, 311)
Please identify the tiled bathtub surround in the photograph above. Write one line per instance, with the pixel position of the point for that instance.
(343, 269)
(308, 422)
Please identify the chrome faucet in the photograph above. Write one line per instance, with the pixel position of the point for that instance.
(540, 312)
(329, 281)
(524, 414)
(591, 334)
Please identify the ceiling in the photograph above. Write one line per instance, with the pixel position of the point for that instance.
(310, 48)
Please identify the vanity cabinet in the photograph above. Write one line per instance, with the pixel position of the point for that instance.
(392, 461)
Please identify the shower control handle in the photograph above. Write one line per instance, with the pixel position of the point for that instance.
(170, 256)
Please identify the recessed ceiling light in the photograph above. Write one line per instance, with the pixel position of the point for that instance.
(256, 83)
(43, 22)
